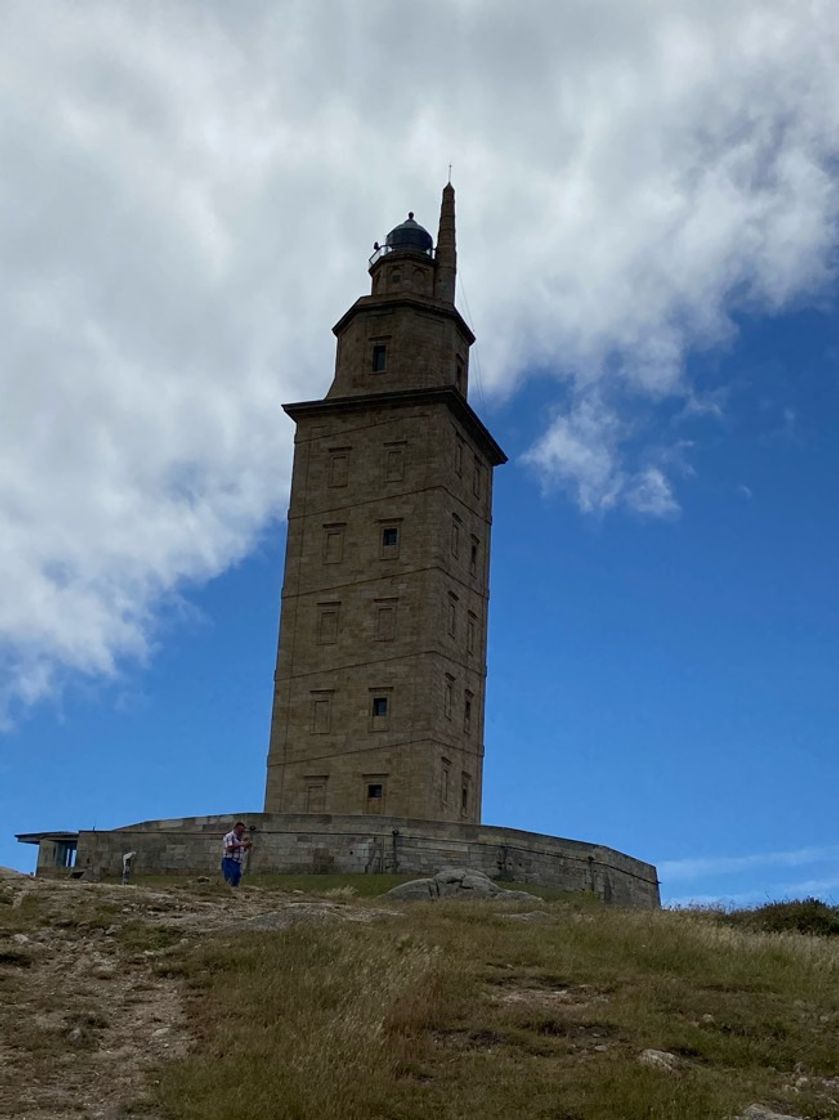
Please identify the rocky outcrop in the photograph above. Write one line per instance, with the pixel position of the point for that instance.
(659, 1059)
(457, 883)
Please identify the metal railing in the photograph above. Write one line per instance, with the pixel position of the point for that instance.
(383, 250)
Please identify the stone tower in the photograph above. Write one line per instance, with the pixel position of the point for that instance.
(379, 688)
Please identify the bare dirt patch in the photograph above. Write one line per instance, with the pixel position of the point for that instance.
(91, 998)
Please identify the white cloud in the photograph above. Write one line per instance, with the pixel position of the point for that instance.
(823, 886)
(582, 451)
(650, 493)
(681, 869)
(190, 192)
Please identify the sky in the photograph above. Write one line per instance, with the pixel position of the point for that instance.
(648, 221)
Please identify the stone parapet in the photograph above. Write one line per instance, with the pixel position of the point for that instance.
(313, 843)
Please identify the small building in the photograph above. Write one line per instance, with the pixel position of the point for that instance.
(56, 852)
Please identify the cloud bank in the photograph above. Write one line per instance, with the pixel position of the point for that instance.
(691, 869)
(190, 192)
(759, 867)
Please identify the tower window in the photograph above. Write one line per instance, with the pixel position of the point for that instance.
(389, 542)
(477, 477)
(458, 454)
(379, 709)
(394, 463)
(458, 372)
(471, 630)
(452, 615)
(374, 792)
(379, 357)
(467, 712)
(465, 783)
(473, 556)
(455, 534)
(386, 621)
(327, 631)
(339, 467)
(321, 712)
(448, 688)
(333, 544)
(444, 781)
(316, 794)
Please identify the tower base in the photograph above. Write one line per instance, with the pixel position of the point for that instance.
(311, 843)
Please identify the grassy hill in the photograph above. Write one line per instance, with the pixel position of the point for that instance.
(323, 1005)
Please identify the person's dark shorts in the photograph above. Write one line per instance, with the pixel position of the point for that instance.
(231, 869)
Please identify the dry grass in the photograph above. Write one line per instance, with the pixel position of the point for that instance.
(456, 1011)
(365, 886)
(321, 885)
(84, 1014)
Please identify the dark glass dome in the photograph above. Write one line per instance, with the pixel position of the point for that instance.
(410, 235)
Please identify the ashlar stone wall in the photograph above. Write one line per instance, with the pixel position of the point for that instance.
(317, 843)
(379, 689)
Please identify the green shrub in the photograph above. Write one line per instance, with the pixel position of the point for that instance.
(804, 915)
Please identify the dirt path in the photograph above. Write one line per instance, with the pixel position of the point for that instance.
(87, 1009)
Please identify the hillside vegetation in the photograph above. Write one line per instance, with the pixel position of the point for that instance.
(295, 1007)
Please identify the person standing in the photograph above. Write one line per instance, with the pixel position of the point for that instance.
(234, 848)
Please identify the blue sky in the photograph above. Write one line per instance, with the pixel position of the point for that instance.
(648, 220)
(670, 689)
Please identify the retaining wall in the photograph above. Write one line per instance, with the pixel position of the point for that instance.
(307, 843)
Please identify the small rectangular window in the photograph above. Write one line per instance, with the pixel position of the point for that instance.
(327, 632)
(458, 373)
(455, 541)
(394, 464)
(379, 357)
(321, 713)
(452, 615)
(473, 556)
(385, 621)
(448, 689)
(339, 467)
(471, 632)
(465, 798)
(374, 790)
(315, 795)
(389, 542)
(477, 477)
(333, 544)
(467, 712)
(444, 781)
(458, 454)
(380, 709)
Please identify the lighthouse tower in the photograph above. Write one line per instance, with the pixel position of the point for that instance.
(381, 668)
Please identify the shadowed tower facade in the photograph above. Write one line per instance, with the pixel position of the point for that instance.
(381, 668)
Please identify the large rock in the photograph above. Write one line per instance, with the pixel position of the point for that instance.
(659, 1059)
(459, 883)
